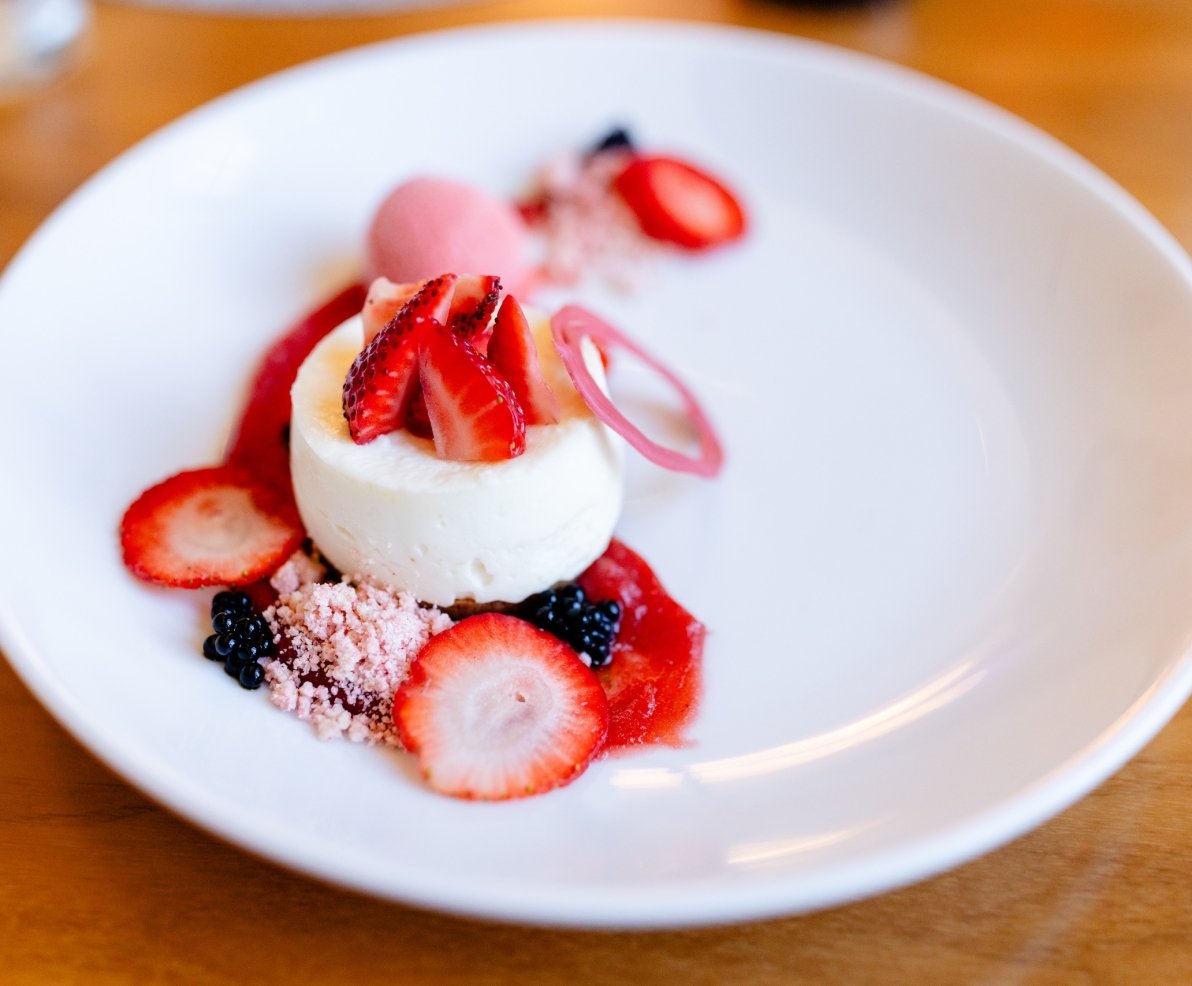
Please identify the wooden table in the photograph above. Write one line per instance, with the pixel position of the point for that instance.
(97, 884)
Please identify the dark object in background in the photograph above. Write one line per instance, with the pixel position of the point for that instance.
(616, 139)
(830, 4)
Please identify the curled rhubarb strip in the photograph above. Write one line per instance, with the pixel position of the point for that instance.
(569, 327)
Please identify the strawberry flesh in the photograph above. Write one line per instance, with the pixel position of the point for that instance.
(213, 526)
(260, 442)
(512, 353)
(474, 415)
(382, 380)
(495, 708)
(472, 305)
(417, 417)
(678, 203)
(385, 299)
(653, 679)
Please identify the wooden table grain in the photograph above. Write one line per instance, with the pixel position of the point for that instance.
(99, 885)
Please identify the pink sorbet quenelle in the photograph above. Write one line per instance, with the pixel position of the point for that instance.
(429, 225)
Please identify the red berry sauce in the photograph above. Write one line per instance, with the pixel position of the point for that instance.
(653, 680)
(261, 442)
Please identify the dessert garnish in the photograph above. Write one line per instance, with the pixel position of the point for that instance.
(512, 352)
(495, 708)
(588, 627)
(676, 202)
(214, 526)
(570, 326)
(428, 352)
(241, 638)
(343, 647)
(607, 210)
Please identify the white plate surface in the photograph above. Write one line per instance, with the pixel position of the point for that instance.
(947, 571)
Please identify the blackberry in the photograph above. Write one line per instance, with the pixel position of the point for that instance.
(252, 676)
(251, 627)
(589, 628)
(616, 138)
(232, 667)
(230, 601)
(241, 637)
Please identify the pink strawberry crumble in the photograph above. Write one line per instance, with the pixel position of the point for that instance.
(344, 648)
(585, 225)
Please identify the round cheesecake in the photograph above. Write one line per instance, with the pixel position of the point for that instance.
(450, 532)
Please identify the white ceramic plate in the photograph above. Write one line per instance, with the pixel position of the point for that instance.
(946, 572)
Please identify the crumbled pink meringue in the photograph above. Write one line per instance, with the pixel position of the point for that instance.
(586, 227)
(343, 650)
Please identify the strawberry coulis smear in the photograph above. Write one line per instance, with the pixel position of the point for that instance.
(653, 680)
(261, 441)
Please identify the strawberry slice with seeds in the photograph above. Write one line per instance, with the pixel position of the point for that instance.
(213, 526)
(432, 300)
(513, 354)
(474, 414)
(678, 203)
(385, 299)
(472, 305)
(495, 708)
(380, 384)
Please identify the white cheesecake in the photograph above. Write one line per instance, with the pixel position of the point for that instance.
(449, 532)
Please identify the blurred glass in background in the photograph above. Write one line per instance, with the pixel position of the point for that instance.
(37, 40)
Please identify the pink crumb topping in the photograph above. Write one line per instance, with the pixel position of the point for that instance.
(586, 227)
(344, 648)
(297, 571)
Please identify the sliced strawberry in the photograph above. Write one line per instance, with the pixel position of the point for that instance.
(512, 353)
(495, 708)
(417, 417)
(385, 299)
(432, 300)
(472, 305)
(473, 412)
(678, 203)
(215, 526)
(261, 440)
(653, 679)
(380, 384)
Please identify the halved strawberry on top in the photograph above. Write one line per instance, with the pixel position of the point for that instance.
(384, 300)
(472, 305)
(382, 392)
(380, 383)
(495, 708)
(474, 414)
(513, 354)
